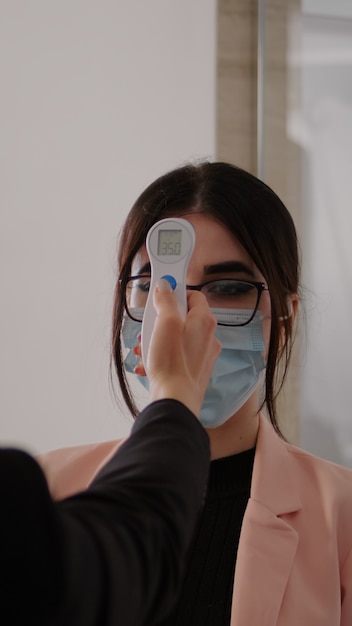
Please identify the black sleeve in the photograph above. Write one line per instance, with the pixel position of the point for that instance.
(112, 555)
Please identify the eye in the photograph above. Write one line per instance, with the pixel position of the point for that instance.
(138, 284)
(143, 285)
(229, 288)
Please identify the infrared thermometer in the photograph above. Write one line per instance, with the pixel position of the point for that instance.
(170, 244)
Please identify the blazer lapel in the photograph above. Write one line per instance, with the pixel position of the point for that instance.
(268, 542)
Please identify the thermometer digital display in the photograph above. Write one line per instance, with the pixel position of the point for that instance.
(170, 244)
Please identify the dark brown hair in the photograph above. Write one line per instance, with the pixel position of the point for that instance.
(258, 219)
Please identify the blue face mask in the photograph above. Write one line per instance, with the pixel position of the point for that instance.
(237, 370)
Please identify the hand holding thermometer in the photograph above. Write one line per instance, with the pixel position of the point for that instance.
(170, 244)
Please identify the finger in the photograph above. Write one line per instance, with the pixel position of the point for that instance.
(137, 349)
(139, 369)
(166, 283)
(164, 351)
(200, 332)
(194, 296)
(198, 306)
(199, 335)
(168, 319)
(164, 298)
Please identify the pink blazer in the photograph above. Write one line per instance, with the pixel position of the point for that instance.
(294, 562)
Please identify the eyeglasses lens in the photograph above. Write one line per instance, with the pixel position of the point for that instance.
(229, 294)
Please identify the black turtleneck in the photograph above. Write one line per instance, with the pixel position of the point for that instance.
(206, 595)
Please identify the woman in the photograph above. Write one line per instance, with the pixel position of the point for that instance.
(273, 545)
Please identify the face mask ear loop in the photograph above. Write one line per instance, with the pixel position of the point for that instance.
(290, 311)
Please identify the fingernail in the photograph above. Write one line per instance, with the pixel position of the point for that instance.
(139, 369)
(166, 283)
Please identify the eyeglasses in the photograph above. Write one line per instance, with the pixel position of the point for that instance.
(240, 297)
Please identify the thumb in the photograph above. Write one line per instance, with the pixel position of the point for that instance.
(167, 331)
(166, 283)
(163, 297)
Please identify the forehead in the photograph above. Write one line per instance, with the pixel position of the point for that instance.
(214, 244)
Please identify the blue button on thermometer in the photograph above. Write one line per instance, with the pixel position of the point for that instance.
(170, 244)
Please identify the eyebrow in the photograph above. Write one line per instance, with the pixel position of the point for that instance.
(145, 269)
(236, 267)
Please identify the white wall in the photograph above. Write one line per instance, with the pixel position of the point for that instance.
(98, 97)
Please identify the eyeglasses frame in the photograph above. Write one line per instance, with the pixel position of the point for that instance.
(260, 287)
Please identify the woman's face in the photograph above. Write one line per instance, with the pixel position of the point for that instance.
(217, 254)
